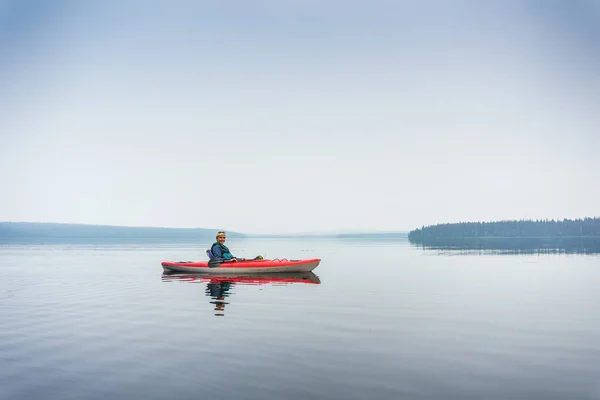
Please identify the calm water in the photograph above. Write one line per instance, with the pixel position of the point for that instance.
(377, 320)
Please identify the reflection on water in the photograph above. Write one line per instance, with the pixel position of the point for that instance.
(573, 245)
(218, 291)
(219, 287)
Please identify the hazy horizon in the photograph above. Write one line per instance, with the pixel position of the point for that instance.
(325, 232)
(291, 117)
(322, 232)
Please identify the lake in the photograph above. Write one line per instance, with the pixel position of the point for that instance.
(377, 320)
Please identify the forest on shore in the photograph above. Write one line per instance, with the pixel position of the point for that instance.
(586, 227)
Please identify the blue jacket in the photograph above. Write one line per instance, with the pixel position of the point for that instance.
(221, 251)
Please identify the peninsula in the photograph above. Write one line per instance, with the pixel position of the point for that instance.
(566, 228)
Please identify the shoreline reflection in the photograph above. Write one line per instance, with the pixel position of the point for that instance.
(581, 245)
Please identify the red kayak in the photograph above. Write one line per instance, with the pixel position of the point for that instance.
(248, 266)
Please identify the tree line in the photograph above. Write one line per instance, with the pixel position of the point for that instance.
(510, 229)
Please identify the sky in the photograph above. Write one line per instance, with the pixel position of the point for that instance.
(299, 116)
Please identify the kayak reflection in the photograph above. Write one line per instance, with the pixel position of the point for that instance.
(219, 287)
(217, 291)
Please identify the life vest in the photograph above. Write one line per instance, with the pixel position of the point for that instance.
(225, 253)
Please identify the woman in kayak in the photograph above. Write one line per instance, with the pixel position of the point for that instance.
(221, 252)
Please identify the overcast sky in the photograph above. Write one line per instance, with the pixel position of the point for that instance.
(296, 116)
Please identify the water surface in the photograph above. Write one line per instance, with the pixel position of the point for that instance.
(377, 320)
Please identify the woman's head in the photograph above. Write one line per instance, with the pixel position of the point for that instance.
(221, 237)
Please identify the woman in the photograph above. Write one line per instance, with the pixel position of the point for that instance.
(221, 252)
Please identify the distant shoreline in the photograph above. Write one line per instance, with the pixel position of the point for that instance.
(41, 230)
(517, 237)
(514, 229)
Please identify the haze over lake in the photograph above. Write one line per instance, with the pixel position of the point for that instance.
(440, 159)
